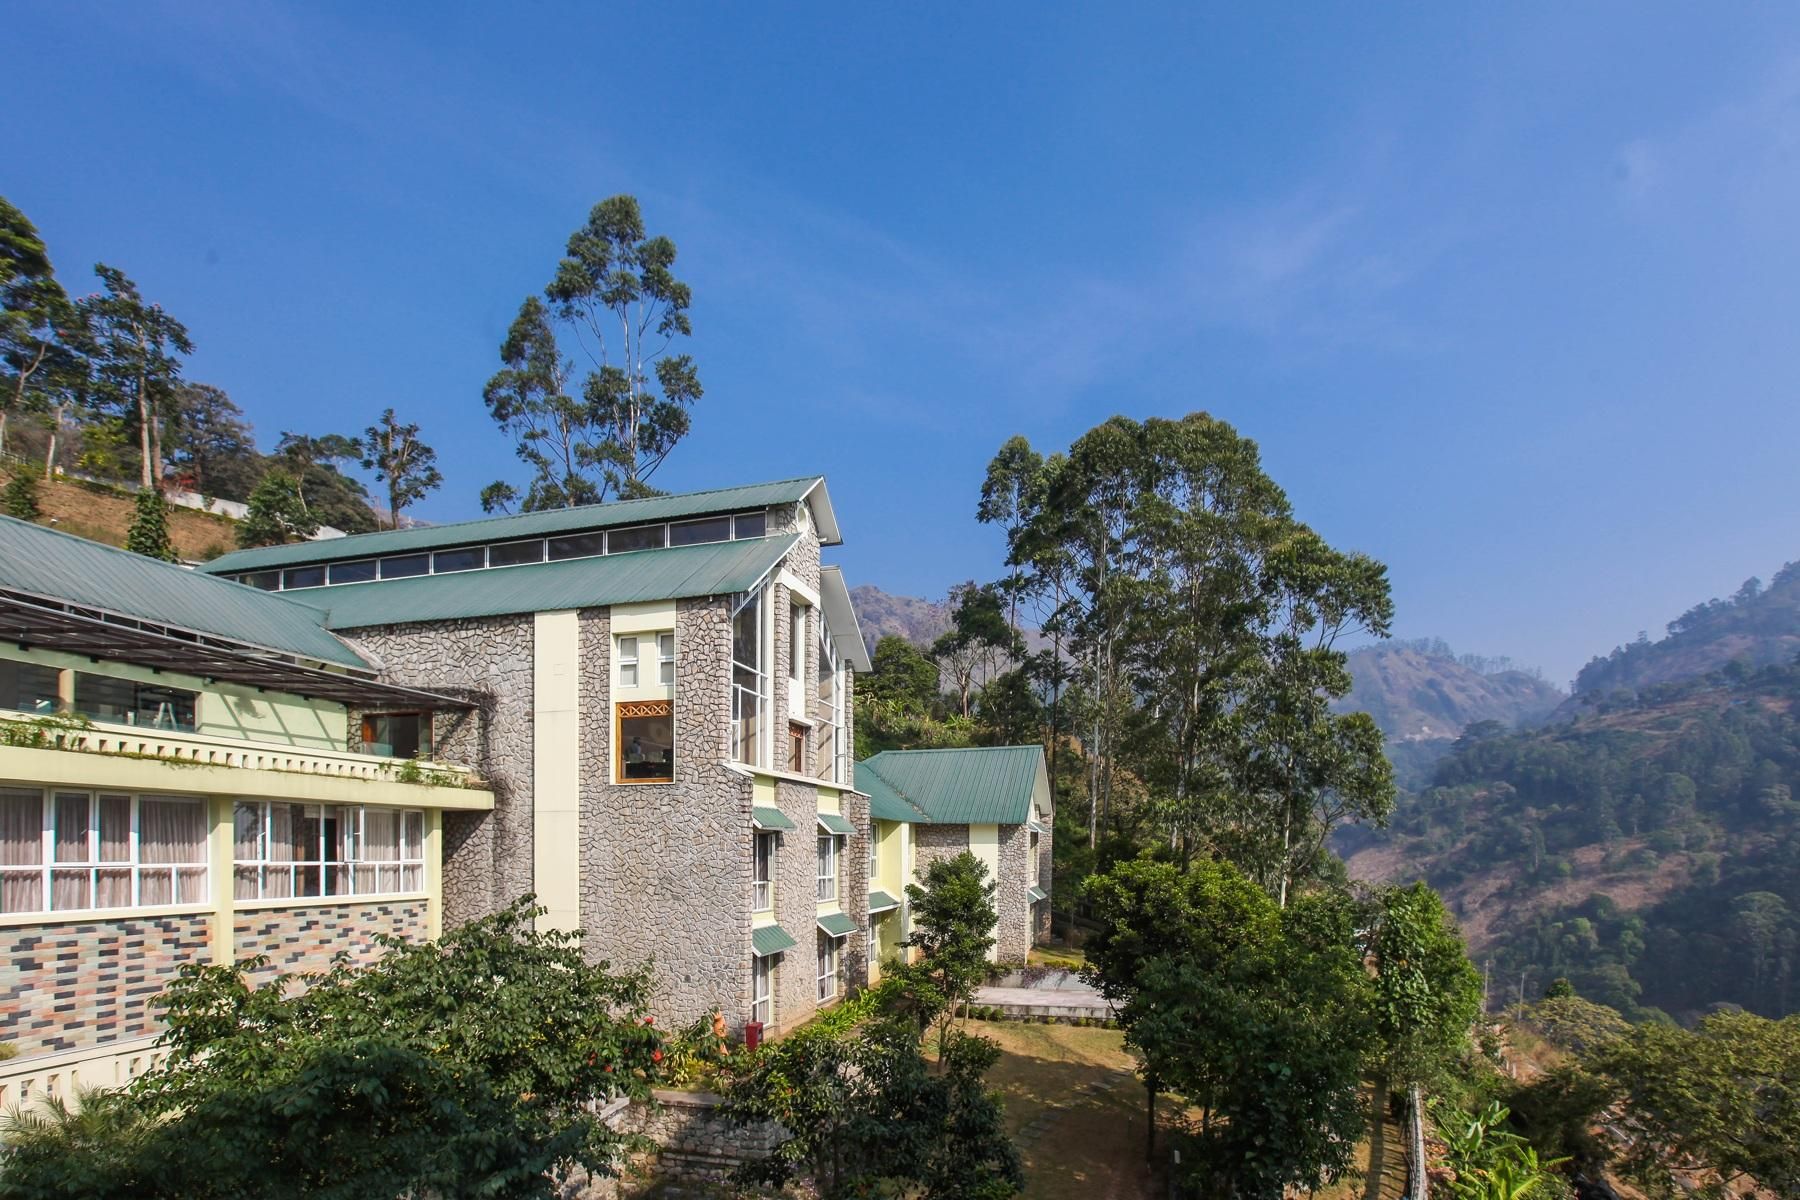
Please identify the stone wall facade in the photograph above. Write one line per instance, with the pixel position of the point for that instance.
(488, 661)
(1040, 913)
(311, 937)
(793, 991)
(72, 984)
(932, 843)
(1013, 935)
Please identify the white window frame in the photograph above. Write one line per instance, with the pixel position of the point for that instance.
(796, 642)
(47, 868)
(665, 658)
(828, 867)
(762, 987)
(1034, 860)
(629, 674)
(762, 891)
(874, 866)
(828, 737)
(828, 967)
(754, 698)
(410, 865)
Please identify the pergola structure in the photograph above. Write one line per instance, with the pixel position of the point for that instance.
(44, 621)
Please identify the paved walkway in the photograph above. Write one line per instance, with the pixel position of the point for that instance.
(1072, 998)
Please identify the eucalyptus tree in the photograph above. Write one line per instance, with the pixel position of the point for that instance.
(401, 459)
(137, 349)
(211, 448)
(615, 295)
(36, 320)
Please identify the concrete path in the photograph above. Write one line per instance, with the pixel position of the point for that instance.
(1072, 998)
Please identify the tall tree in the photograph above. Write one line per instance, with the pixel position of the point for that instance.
(36, 318)
(398, 457)
(953, 920)
(277, 515)
(211, 448)
(978, 640)
(557, 435)
(315, 465)
(138, 349)
(149, 532)
(1011, 494)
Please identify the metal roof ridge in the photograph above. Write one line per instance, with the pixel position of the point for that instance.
(895, 788)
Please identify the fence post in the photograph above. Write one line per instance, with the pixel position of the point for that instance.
(1419, 1184)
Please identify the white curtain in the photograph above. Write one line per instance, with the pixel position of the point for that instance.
(21, 845)
(71, 835)
(171, 831)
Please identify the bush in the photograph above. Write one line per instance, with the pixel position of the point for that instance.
(21, 497)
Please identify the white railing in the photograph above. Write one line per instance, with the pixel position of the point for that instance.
(209, 750)
(23, 1081)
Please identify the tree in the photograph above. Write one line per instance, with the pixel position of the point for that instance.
(277, 514)
(211, 450)
(149, 532)
(1009, 710)
(35, 319)
(978, 639)
(326, 492)
(903, 676)
(953, 920)
(21, 497)
(470, 1066)
(1011, 494)
(138, 349)
(409, 467)
(616, 295)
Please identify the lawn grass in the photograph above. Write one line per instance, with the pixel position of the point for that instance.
(1056, 956)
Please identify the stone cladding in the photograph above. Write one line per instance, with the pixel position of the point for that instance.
(311, 938)
(71, 984)
(794, 989)
(667, 867)
(1013, 935)
(487, 660)
(1040, 913)
(934, 842)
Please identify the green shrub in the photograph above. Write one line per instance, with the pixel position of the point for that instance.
(21, 497)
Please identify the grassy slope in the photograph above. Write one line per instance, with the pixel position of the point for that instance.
(104, 514)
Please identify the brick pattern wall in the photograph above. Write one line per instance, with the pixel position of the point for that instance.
(487, 660)
(311, 938)
(70, 985)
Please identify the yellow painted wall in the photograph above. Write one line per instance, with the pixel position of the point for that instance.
(984, 844)
(223, 710)
(556, 768)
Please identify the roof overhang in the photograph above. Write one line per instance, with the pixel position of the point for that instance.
(53, 624)
(840, 615)
(824, 517)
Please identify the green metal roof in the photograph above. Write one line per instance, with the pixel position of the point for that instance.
(770, 818)
(73, 570)
(837, 924)
(886, 804)
(833, 823)
(713, 569)
(984, 785)
(770, 939)
(528, 525)
(881, 902)
(1036, 894)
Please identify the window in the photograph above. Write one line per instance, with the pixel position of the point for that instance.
(27, 687)
(577, 545)
(638, 537)
(268, 581)
(828, 710)
(360, 571)
(126, 702)
(470, 558)
(796, 748)
(512, 554)
(828, 856)
(85, 851)
(763, 897)
(628, 662)
(872, 844)
(707, 529)
(405, 566)
(665, 659)
(284, 851)
(303, 577)
(646, 741)
(750, 525)
(1034, 859)
(397, 735)
(796, 643)
(828, 966)
(749, 682)
(762, 972)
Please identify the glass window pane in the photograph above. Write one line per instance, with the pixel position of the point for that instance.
(70, 890)
(115, 829)
(268, 581)
(707, 529)
(628, 649)
(21, 891)
(190, 885)
(21, 828)
(646, 742)
(27, 687)
(469, 558)
(164, 708)
(414, 845)
(154, 887)
(71, 834)
(577, 545)
(303, 577)
(360, 571)
(171, 831)
(412, 878)
(245, 883)
(638, 537)
(246, 821)
(405, 566)
(752, 525)
(103, 698)
(512, 554)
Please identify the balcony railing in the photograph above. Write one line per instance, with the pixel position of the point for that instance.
(205, 749)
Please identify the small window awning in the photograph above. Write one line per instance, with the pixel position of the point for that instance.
(770, 939)
(1037, 894)
(832, 823)
(837, 924)
(1035, 827)
(770, 818)
(881, 902)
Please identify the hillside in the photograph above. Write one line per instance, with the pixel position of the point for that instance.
(103, 514)
(880, 614)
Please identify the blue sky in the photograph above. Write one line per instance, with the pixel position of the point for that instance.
(1507, 294)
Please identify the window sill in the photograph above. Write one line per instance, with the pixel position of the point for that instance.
(77, 916)
(322, 901)
(643, 782)
(751, 771)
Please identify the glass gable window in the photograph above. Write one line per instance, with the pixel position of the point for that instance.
(638, 537)
(360, 571)
(749, 680)
(579, 545)
(750, 525)
(828, 710)
(405, 566)
(285, 851)
(707, 529)
(303, 577)
(513, 554)
(268, 581)
(125, 702)
(646, 742)
(469, 558)
(397, 735)
(83, 850)
(27, 687)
